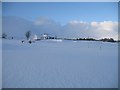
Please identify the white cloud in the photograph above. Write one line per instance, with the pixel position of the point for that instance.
(94, 24)
(46, 25)
(44, 21)
(76, 28)
(72, 29)
(94, 29)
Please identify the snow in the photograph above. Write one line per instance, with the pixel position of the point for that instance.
(60, 64)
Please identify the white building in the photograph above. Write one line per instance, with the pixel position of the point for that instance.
(45, 36)
(40, 36)
(35, 37)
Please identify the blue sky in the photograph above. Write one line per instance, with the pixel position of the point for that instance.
(63, 12)
(78, 19)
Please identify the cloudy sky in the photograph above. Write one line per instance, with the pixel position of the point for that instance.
(97, 20)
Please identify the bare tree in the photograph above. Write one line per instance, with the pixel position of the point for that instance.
(28, 34)
(4, 35)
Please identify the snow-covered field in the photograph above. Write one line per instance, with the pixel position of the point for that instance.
(60, 64)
